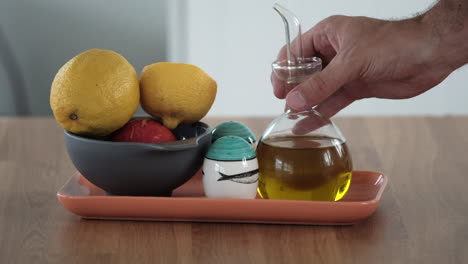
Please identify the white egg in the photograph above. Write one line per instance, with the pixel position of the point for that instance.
(230, 169)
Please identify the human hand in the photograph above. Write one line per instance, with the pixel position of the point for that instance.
(365, 57)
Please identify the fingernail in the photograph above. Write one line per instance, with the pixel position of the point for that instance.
(296, 100)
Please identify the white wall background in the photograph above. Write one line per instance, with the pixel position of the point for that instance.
(236, 41)
(44, 34)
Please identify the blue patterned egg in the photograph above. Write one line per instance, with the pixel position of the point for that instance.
(230, 169)
(233, 128)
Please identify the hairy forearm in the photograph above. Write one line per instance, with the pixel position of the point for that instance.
(447, 24)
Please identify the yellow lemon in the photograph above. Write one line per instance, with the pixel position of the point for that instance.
(95, 93)
(176, 92)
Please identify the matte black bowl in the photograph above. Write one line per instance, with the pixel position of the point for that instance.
(125, 168)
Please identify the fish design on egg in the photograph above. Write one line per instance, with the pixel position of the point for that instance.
(245, 177)
(233, 128)
(230, 169)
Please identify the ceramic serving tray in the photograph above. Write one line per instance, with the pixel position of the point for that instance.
(189, 203)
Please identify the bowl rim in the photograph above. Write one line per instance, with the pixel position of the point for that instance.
(178, 145)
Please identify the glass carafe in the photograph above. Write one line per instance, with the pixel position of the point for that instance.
(301, 155)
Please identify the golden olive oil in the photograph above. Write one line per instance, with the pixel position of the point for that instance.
(304, 168)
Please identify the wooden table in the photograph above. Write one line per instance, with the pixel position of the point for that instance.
(423, 217)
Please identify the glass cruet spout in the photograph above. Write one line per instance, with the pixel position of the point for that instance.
(292, 28)
(295, 68)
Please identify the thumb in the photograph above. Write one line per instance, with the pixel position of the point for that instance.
(321, 85)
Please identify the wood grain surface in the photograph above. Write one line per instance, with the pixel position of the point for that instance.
(423, 217)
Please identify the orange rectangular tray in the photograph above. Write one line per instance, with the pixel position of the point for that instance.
(188, 203)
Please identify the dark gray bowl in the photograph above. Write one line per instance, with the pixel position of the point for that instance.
(124, 168)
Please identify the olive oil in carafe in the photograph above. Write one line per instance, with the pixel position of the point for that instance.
(315, 168)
